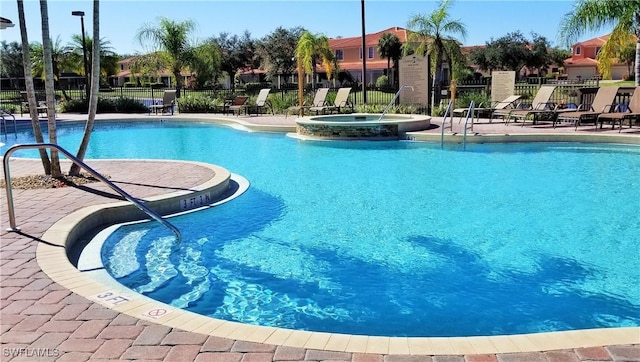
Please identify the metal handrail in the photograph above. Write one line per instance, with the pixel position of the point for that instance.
(466, 120)
(94, 173)
(444, 123)
(4, 113)
(393, 100)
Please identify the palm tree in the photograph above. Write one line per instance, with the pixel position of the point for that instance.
(171, 39)
(595, 14)
(93, 94)
(312, 48)
(49, 88)
(31, 94)
(60, 60)
(431, 33)
(390, 47)
(108, 58)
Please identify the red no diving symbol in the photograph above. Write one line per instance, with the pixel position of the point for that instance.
(158, 312)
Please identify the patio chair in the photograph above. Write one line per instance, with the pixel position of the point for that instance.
(319, 103)
(168, 103)
(602, 103)
(506, 104)
(342, 100)
(41, 107)
(541, 107)
(622, 112)
(262, 102)
(238, 104)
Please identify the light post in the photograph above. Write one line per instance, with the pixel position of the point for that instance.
(84, 52)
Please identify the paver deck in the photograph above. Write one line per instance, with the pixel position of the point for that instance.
(42, 321)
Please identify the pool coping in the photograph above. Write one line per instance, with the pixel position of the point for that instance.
(53, 260)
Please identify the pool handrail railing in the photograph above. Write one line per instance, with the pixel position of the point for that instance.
(94, 173)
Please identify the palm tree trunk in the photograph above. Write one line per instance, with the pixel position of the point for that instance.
(95, 87)
(49, 88)
(437, 79)
(638, 62)
(31, 94)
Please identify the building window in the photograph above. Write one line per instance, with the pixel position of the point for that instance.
(598, 50)
(121, 66)
(371, 53)
(339, 54)
(578, 50)
(360, 53)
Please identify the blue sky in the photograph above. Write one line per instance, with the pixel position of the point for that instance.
(120, 20)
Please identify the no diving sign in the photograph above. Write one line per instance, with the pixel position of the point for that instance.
(156, 313)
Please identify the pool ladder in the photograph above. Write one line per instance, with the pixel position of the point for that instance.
(94, 173)
(3, 122)
(449, 114)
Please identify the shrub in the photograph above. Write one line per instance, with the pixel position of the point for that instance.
(197, 103)
(464, 99)
(105, 105)
(382, 81)
(130, 85)
(10, 107)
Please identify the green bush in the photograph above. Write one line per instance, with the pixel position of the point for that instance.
(382, 81)
(10, 107)
(478, 98)
(105, 105)
(130, 85)
(197, 103)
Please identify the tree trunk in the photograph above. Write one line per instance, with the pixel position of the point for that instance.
(313, 73)
(95, 87)
(388, 70)
(49, 88)
(300, 86)
(638, 63)
(31, 94)
(437, 77)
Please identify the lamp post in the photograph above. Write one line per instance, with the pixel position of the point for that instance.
(84, 52)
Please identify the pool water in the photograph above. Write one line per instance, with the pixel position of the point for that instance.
(389, 238)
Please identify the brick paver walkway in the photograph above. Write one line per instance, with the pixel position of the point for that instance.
(41, 321)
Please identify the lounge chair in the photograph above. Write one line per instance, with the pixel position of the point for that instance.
(319, 102)
(505, 104)
(541, 107)
(238, 104)
(342, 100)
(500, 107)
(41, 107)
(602, 103)
(261, 102)
(168, 103)
(630, 112)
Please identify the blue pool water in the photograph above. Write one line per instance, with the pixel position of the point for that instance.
(389, 238)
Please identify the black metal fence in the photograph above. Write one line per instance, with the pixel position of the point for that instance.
(567, 92)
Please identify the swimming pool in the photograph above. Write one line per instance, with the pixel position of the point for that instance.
(501, 239)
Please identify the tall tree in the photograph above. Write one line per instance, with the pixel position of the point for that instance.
(108, 57)
(93, 93)
(11, 62)
(390, 47)
(314, 49)
(59, 59)
(275, 51)
(235, 53)
(31, 94)
(590, 15)
(627, 55)
(206, 64)
(431, 32)
(171, 39)
(49, 87)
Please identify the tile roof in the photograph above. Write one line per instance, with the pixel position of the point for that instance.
(370, 39)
